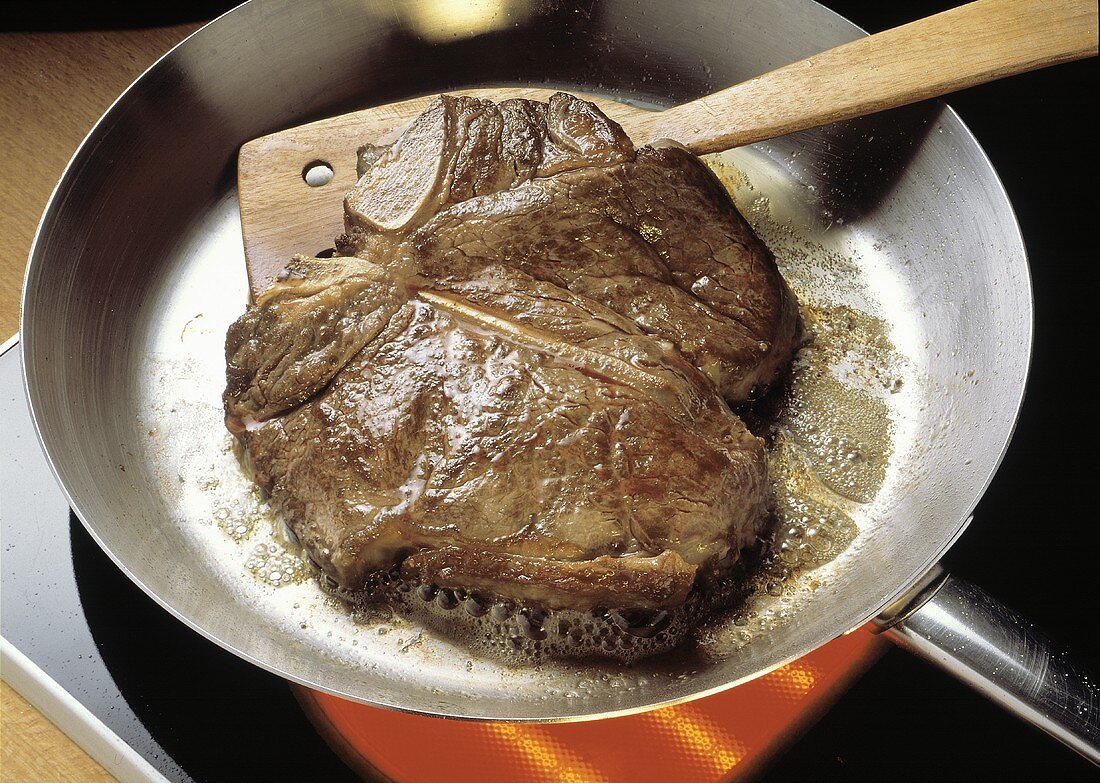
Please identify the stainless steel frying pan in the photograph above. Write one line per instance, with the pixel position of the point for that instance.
(137, 269)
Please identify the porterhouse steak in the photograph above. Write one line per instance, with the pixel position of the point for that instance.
(516, 379)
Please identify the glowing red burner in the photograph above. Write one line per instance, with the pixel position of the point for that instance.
(724, 737)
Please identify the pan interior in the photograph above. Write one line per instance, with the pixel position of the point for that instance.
(227, 530)
(900, 217)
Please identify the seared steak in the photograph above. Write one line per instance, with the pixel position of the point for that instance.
(517, 387)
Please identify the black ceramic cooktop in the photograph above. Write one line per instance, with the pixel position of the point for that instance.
(198, 713)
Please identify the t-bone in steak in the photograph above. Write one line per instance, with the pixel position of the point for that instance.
(516, 378)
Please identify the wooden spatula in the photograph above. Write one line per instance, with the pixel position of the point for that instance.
(282, 214)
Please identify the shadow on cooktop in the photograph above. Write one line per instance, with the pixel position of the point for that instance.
(217, 716)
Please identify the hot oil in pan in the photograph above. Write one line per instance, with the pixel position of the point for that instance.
(829, 439)
(829, 444)
(828, 423)
(829, 433)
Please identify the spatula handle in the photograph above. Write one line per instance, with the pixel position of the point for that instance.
(969, 45)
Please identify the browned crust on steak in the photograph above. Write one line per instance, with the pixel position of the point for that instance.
(635, 581)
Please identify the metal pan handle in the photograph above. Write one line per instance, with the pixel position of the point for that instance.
(965, 631)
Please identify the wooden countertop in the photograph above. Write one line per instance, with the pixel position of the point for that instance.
(53, 87)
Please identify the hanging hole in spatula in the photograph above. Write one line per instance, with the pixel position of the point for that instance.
(317, 173)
